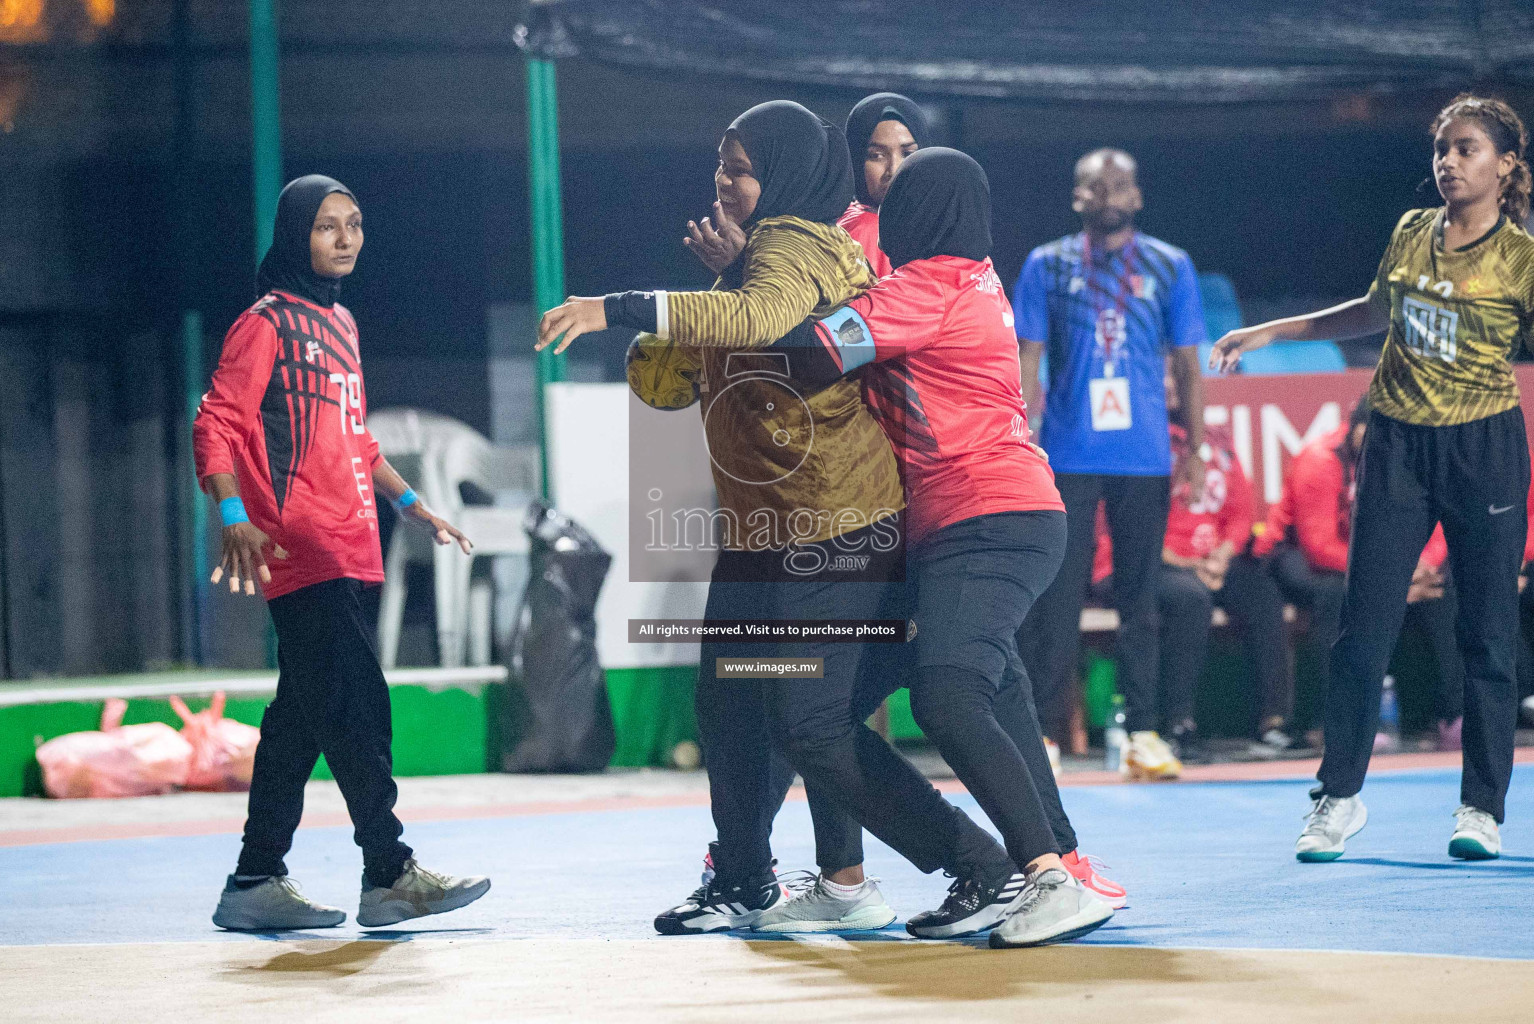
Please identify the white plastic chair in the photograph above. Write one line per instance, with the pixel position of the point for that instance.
(445, 454)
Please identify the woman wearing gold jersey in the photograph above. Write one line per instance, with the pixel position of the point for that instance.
(1445, 443)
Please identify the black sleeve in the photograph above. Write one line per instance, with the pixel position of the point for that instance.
(631, 309)
(808, 359)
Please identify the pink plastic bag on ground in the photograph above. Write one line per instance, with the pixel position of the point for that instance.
(120, 760)
(223, 750)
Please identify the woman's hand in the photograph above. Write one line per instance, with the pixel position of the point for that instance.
(717, 241)
(576, 317)
(1227, 351)
(442, 531)
(244, 557)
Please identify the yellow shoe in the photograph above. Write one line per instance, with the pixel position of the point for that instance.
(1053, 750)
(1149, 758)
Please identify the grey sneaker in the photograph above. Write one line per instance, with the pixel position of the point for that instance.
(1331, 822)
(821, 910)
(417, 892)
(272, 906)
(1475, 835)
(1054, 908)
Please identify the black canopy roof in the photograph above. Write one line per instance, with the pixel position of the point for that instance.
(1191, 50)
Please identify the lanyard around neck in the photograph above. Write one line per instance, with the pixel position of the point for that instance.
(1124, 281)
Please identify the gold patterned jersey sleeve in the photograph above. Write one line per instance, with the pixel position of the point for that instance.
(1525, 343)
(1379, 288)
(782, 269)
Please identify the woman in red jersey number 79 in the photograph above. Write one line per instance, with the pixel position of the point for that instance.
(282, 444)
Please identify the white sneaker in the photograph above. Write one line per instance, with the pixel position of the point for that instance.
(272, 906)
(1330, 823)
(1476, 836)
(1054, 908)
(417, 892)
(1053, 750)
(1149, 757)
(821, 910)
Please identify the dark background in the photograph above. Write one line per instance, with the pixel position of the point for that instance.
(125, 200)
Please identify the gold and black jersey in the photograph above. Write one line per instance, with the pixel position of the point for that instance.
(816, 464)
(1457, 319)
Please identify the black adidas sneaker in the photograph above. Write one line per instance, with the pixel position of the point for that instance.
(715, 908)
(972, 907)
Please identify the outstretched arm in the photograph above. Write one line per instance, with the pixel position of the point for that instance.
(781, 288)
(1352, 319)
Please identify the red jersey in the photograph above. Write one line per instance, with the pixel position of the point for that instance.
(862, 223)
(1315, 512)
(1224, 512)
(286, 414)
(945, 388)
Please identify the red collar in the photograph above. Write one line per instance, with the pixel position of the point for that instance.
(325, 310)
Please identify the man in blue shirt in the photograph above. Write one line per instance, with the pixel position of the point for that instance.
(1109, 303)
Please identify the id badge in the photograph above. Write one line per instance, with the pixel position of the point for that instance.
(1110, 403)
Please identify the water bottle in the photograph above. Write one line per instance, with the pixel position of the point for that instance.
(1389, 735)
(1116, 736)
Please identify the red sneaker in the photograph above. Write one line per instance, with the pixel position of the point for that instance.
(1082, 868)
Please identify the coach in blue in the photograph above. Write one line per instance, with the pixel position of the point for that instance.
(1109, 304)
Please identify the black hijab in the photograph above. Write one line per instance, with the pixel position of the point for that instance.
(938, 205)
(865, 117)
(287, 265)
(800, 160)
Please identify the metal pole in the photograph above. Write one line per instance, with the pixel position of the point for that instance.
(548, 228)
(266, 119)
(190, 503)
(196, 541)
(266, 155)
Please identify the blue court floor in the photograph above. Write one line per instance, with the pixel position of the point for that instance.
(1206, 864)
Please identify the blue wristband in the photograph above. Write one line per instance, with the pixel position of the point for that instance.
(232, 510)
(405, 500)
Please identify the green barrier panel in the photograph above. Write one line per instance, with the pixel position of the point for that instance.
(652, 712)
(903, 727)
(1100, 683)
(23, 728)
(436, 732)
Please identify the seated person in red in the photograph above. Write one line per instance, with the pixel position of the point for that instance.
(1430, 610)
(1305, 547)
(1305, 540)
(1205, 565)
